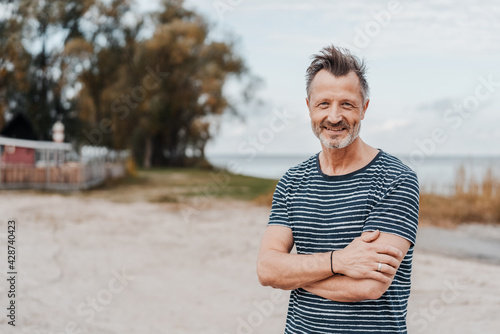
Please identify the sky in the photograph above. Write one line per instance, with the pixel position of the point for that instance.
(433, 70)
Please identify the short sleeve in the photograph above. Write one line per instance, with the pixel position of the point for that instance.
(279, 212)
(397, 211)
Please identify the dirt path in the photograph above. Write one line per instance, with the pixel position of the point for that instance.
(102, 267)
(473, 241)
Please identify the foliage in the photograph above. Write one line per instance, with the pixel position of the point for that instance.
(471, 201)
(152, 82)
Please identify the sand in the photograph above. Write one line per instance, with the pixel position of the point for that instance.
(89, 265)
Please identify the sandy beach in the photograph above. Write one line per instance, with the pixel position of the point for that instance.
(88, 265)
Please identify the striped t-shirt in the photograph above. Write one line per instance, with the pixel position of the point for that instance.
(326, 213)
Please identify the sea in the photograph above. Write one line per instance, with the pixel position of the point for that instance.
(437, 174)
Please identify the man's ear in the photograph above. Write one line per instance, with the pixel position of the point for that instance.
(308, 105)
(365, 106)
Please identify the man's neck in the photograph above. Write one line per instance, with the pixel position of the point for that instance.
(340, 161)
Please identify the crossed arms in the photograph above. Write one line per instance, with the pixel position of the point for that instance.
(357, 262)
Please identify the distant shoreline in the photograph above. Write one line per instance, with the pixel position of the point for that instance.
(436, 173)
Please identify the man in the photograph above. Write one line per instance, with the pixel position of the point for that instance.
(351, 211)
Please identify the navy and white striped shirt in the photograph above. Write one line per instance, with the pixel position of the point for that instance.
(326, 213)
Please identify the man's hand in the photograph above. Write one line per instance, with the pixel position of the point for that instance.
(361, 258)
(348, 289)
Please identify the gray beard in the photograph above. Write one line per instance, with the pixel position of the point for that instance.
(335, 143)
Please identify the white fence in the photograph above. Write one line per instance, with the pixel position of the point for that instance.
(27, 164)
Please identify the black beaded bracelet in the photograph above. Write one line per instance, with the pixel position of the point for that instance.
(331, 262)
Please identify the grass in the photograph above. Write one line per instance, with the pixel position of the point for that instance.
(471, 201)
(175, 185)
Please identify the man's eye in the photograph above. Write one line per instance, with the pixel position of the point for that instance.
(323, 104)
(347, 104)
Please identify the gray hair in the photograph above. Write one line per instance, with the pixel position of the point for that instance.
(339, 62)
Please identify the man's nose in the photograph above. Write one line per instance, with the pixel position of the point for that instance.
(334, 114)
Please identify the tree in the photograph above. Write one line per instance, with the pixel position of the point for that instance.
(176, 119)
(39, 76)
(15, 63)
(152, 83)
(164, 93)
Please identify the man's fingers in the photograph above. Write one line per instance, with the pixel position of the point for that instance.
(388, 260)
(387, 269)
(389, 250)
(371, 236)
(378, 276)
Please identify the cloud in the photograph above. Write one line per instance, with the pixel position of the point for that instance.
(425, 59)
(437, 27)
(393, 124)
(437, 106)
(315, 5)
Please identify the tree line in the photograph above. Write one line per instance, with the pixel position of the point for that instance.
(150, 82)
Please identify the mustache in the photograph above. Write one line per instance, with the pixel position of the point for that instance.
(341, 124)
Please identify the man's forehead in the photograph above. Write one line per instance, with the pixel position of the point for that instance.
(325, 82)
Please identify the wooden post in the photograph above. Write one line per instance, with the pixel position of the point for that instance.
(47, 168)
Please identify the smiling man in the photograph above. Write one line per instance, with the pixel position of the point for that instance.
(351, 211)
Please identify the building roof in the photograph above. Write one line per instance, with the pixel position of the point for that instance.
(35, 144)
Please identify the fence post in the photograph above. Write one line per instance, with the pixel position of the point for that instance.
(47, 170)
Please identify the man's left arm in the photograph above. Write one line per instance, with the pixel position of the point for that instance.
(396, 217)
(347, 289)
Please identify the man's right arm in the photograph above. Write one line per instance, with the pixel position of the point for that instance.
(278, 268)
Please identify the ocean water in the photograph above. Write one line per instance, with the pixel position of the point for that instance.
(435, 173)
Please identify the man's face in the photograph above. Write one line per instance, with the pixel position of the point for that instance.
(336, 108)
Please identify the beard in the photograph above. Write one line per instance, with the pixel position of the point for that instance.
(336, 141)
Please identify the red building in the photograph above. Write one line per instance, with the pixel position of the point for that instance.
(18, 127)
